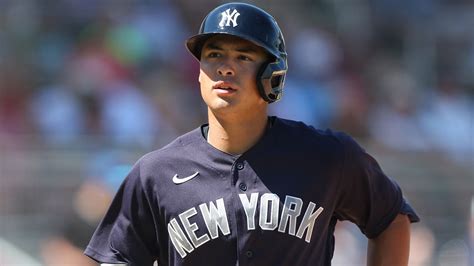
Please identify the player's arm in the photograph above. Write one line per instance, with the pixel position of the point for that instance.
(392, 246)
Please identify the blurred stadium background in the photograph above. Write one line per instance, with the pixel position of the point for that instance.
(88, 86)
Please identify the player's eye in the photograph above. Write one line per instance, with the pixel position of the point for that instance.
(245, 58)
(213, 54)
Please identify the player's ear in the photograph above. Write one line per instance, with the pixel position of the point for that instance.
(199, 77)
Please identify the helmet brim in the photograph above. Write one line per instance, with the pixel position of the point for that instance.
(195, 43)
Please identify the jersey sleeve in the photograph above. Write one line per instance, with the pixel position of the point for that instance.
(368, 197)
(127, 232)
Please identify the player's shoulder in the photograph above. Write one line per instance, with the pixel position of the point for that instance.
(302, 131)
(300, 136)
(149, 167)
(180, 147)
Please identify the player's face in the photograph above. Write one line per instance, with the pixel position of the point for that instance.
(228, 73)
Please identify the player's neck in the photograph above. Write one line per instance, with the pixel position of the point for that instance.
(236, 135)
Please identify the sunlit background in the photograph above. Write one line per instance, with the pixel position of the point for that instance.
(88, 86)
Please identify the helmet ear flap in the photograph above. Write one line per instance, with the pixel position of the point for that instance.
(270, 81)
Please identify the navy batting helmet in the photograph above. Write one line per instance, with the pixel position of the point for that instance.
(257, 26)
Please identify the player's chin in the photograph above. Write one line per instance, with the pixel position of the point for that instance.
(222, 104)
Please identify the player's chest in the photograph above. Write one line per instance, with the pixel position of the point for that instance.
(263, 196)
(201, 204)
(179, 188)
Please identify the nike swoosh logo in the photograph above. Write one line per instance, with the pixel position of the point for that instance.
(178, 180)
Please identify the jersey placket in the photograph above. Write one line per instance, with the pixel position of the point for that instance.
(244, 178)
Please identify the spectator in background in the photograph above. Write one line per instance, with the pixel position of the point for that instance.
(394, 118)
(447, 120)
(58, 114)
(128, 117)
(14, 96)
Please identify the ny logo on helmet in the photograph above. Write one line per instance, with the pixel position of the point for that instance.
(228, 17)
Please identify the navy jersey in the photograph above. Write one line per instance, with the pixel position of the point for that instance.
(277, 204)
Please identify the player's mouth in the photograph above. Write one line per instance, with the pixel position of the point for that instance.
(223, 87)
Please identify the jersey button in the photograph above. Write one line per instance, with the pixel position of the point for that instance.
(243, 186)
(240, 166)
(249, 254)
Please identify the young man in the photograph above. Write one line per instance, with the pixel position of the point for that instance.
(248, 189)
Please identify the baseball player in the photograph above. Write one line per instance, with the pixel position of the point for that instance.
(246, 188)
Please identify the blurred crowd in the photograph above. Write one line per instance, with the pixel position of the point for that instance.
(398, 73)
(395, 73)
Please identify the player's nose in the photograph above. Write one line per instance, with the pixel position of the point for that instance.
(225, 68)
